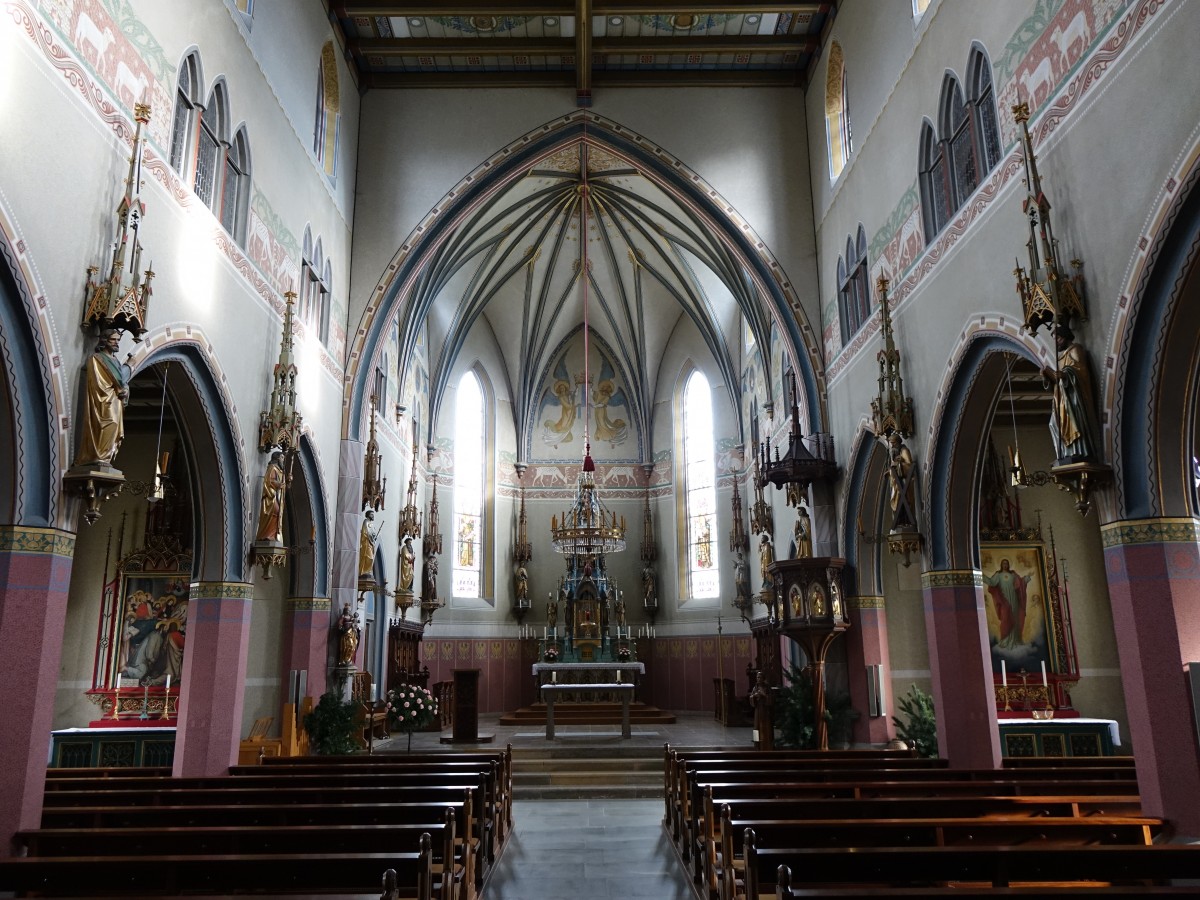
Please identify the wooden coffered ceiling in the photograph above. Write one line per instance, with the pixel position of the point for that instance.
(584, 44)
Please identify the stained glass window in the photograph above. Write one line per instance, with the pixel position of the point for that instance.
(468, 487)
(700, 480)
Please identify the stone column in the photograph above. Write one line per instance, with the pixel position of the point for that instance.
(1153, 568)
(35, 574)
(306, 626)
(214, 678)
(869, 647)
(959, 657)
(347, 527)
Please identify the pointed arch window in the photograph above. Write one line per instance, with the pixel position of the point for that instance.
(700, 488)
(935, 190)
(983, 108)
(210, 150)
(967, 145)
(839, 142)
(328, 116)
(187, 103)
(235, 186)
(469, 476)
(854, 297)
(919, 7)
(316, 280)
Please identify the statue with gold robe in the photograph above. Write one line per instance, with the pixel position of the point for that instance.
(105, 394)
(270, 507)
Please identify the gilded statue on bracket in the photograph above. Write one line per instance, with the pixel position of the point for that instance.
(1073, 420)
(902, 472)
(366, 546)
(270, 507)
(105, 394)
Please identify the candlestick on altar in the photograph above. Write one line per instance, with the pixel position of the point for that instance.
(145, 702)
(117, 700)
(1003, 673)
(1045, 683)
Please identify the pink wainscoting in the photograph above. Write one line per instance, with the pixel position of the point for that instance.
(679, 670)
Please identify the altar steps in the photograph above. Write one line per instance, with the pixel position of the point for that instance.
(569, 773)
(567, 714)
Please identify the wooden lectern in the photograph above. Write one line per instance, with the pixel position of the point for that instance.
(466, 710)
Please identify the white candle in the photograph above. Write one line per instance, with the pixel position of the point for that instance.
(1045, 683)
(118, 684)
(543, 632)
(168, 682)
(1003, 673)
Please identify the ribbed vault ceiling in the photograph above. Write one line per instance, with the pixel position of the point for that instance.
(514, 268)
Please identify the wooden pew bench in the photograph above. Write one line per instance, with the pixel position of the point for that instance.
(931, 867)
(691, 817)
(784, 891)
(216, 874)
(242, 839)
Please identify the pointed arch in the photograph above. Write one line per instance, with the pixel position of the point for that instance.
(474, 486)
(307, 518)
(934, 185)
(212, 140)
(1155, 346)
(838, 141)
(213, 444)
(862, 513)
(981, 95)
(762, 271)
(958, 431)
(32, 449)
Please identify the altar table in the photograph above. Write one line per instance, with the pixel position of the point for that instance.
(550, 691)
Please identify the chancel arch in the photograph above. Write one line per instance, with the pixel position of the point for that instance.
(701, 233)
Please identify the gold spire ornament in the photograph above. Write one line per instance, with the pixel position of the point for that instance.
(278, 434)
(1048, 295)
(432, 546)
(374, 486)
(522, 554)
(114, 302)
(892, 422)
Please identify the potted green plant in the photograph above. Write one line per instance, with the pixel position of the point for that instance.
(331, 726)
(920, 728)
(840, 717)
(410, 708)
(795, 715)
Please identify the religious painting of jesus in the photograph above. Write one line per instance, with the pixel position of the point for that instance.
(1015, 591)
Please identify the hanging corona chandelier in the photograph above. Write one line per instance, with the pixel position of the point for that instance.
(588, 528)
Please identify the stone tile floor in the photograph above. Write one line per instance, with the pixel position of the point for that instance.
(594, 849)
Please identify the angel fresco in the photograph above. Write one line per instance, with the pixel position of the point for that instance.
(607, 396)
(562, 395)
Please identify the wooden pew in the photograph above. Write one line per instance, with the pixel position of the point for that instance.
(478, 829)
(219, 875)
(691, 824)
(932, 867)
(87, 772)
(242, 839)
(785, 891)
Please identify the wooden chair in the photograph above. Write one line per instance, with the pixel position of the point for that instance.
(373, 713)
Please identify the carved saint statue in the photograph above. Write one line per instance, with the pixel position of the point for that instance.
(766, 556)
(522, 586)
(802, 547)
(407, 563)
(105, 393)
(551, 613)
(270, 507)
(619, 609)
(649, 593)
(366, 545)
(429, 579)
(347, 636)
(1072, 422)
(741, 579)
(902, 480)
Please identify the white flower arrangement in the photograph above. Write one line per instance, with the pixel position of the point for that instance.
(410, 708)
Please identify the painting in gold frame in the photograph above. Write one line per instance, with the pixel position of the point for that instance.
(1019, 607)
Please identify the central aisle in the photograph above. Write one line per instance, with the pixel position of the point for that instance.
(567, 849)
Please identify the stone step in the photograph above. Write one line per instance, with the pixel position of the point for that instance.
(585, 764)
(588, 792)
(589, 778)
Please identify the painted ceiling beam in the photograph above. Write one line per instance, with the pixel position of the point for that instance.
(611, 78)
(558, 46)
(565, 7)
(583, 53)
